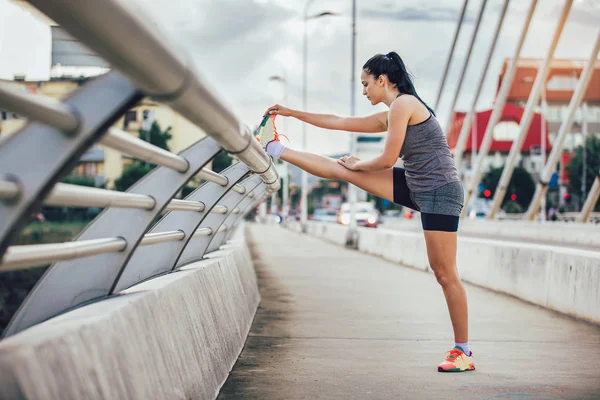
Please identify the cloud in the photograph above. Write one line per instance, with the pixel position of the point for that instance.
(237, 44)
(416, 14)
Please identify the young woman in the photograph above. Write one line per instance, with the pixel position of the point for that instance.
(428, 183)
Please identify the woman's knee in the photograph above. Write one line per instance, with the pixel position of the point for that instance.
(445, 275)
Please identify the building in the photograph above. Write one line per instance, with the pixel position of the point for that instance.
(104, 164)
(556, 94)
(72, 65)
(504, 133)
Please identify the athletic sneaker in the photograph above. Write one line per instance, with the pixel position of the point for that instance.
(457, 361)
(267, 131)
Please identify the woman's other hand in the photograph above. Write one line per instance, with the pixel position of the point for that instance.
(278, 109)
(350, 162)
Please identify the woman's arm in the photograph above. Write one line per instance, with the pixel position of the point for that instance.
(399, 115)
(371, 124)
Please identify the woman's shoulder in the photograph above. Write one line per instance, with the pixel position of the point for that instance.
(404, 103)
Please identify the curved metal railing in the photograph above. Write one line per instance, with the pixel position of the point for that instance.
(123, 245)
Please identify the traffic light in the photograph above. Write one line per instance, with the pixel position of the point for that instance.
(487, 193)
(513, 197)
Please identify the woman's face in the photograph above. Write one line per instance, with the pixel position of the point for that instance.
(372, 87)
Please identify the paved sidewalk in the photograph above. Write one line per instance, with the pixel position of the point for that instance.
(337, 324)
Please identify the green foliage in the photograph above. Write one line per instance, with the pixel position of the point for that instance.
(49, 232)
(69, 214)
(156, 136)
(140, 168)
(187, 189)
(575, 168)
(521, 184)
(131, 175)
(14, 287)
(512, 207)
(221, 161)
(88, 181)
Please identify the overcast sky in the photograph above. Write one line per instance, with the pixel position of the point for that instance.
(237, 44)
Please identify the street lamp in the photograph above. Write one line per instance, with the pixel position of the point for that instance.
(304, 192)
(284, 175)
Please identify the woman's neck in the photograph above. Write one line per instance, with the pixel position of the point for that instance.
(391, 96)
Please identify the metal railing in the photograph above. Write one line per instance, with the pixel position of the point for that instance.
(123, 245)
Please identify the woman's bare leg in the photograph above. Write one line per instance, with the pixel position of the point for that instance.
(378, 183)
(441, 251)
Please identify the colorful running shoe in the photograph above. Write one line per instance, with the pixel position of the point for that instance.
(267, 131)
(457, 361)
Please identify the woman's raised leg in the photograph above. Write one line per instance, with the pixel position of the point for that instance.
(378, 183)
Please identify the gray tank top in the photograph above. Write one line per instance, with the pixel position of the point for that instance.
(426, 156)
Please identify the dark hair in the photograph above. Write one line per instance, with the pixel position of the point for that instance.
(392, 66)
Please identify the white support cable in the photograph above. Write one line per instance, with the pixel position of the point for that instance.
(565, 128)
(532, 101)
(466, 125)
(451, 54)
(590, 201)
(498, 109)
(465, 66)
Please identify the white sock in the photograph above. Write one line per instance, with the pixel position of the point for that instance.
(275, 148)
(465, 348)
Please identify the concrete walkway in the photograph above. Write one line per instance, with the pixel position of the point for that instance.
(337, 324)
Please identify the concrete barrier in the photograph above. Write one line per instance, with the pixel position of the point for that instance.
(173, 337)
(564, 233)
(559, 278)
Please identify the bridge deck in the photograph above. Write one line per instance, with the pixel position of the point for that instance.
(337, 324)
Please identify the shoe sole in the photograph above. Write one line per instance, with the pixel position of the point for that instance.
(440, 369)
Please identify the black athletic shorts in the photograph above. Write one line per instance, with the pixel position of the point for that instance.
(440, 208)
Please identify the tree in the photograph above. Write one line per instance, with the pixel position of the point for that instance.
(131, 175)
(221, 161)
(575, 168)
(156, 136)
(139, 168)
(88, 181)
(521, 184)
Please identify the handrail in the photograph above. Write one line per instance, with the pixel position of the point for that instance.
(168, 77)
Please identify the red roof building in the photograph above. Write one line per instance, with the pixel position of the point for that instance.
(560, 83)
(504, 133)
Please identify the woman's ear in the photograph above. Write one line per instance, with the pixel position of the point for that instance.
(381, 80)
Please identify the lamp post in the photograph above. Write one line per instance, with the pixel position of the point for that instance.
(284, 177)
(304, 191)
(352, 190)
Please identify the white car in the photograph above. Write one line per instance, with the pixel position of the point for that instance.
(366, 214)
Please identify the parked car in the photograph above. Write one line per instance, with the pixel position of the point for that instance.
(366, 214)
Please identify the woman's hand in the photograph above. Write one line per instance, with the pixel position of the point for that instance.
(278, 109)
(350, 162)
